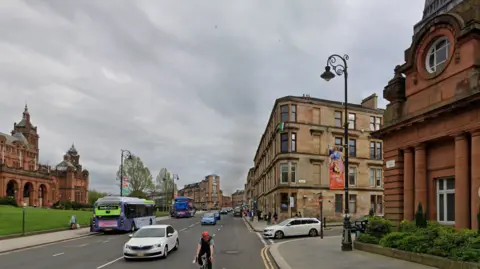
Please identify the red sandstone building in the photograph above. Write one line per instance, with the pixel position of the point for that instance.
(32, 184)
(431, 128)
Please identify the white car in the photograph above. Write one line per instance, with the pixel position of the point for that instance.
(293, 227)
(151, 242)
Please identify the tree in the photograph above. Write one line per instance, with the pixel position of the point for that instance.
(165, 184)
(139, 177)
(420, 217)
(94, 195)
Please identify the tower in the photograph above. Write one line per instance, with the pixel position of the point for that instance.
(433, 8)
(26, 128)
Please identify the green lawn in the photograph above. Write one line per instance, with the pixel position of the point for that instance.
(162, 214)
(38, 219)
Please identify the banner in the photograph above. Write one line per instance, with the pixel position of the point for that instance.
(336, 169)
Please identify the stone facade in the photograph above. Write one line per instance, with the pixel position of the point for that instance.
(33, 184)
(310, 127)
(432, 123)
(206, 193)
(238, 198)
(226, 201)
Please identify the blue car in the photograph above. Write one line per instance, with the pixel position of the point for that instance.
(209, 219)
(217, 215)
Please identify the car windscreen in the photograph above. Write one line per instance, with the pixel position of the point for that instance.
(285, 222)
(149, 232)
(209, 215)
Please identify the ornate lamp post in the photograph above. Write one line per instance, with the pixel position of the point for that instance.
(125, 154)
(342, 69)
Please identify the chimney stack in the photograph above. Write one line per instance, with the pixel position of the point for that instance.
(370, 102)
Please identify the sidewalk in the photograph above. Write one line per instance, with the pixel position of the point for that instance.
(47, 238)
(309, 252)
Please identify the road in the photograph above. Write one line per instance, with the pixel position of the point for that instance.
(236, 248)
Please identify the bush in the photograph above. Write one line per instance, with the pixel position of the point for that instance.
(407, 226)
(391, 240)
(8, 201)
(420, 217)
(367, 238)
(417, 243)
(378, 227)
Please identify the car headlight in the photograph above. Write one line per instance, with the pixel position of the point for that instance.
(127, 246)
(158, 245)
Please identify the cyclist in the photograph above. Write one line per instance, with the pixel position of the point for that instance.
(205, 247)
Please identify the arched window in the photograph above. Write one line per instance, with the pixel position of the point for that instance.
(437, 54)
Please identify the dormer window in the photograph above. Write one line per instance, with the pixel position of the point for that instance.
(437, 55)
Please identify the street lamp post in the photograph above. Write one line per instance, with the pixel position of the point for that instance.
(125, 153)
(166, 191)
(341, 68)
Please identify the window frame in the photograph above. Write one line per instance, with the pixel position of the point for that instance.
(376, 150)
(338, 118)
(372, 123)
(341, 143)
(284, 114)
(284, 139)
(293, 173)
(354, 204)
(354, 169)
(293, 142)
(432, 50)
(338, 202)
(354, 146)
(352, 121)
(282, 165)
(293, 113)
(444, 193)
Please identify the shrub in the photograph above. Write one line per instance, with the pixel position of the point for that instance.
(407, 226)
(371, 213)
(8, 201)
(378, 227)
(391, 240)
(420, 217)
(414, 243)
(367, 238)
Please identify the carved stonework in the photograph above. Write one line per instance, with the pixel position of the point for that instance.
(456, 54)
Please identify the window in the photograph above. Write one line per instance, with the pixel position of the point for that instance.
(352, 148)
(338, 119)
(437, 55)
(376, 204)
(446, 200)
(352, 176)
(284, 113)
(338, 203)
(375, 150)
(284, 173)
(352, 203)
(339, 143)
(375, 177)
(293, 170)
(294, 142)
(351, 121)
(284, 202)
(284, 142)
(293, 113)
(375, 123)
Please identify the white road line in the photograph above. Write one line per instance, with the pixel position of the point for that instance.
(83, 245)
(261, 239)
(271, 241)
(106, 241)
(191, 225)
(182, 229)
(108, 263)
(58, 254)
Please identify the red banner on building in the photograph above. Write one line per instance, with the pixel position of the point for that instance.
(336, 170)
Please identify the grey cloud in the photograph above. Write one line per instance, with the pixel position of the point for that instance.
(186, 86)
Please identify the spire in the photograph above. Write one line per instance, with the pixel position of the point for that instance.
(26, 114)
(434, 8)
(72, 150)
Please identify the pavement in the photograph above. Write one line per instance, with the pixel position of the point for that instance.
(308, 252)
(236, 248)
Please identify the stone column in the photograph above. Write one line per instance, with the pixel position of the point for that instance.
(420, 177)
(462, 195)
(408, 185)
(475, 182)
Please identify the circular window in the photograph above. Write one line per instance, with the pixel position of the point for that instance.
(437, 55)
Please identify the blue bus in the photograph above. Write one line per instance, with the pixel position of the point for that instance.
(183, 207)
(113, 213)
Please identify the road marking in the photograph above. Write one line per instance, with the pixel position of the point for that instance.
(108, 263)
(261, 239)
(83, 245)
(47, 244)
(182, 229)
(191, 225)
(106, 241)
(262, 255)
(271, 241)
(267, 257)
(58, 254)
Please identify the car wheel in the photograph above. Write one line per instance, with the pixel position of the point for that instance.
(279, 234)
(133, 228)
(177, 245)
(313, 232)
(165, 252)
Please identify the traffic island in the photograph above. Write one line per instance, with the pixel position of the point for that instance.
(424, 259)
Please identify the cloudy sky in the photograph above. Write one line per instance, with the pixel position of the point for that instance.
(186, 85)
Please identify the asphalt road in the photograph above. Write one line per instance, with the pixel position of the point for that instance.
(236, 248)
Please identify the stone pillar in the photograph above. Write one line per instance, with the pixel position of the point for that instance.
(462, 195)
(421, 177)
(475, 182)
(408, 185)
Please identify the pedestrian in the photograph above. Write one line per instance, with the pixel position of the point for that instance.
(73, 222)
(275, 217)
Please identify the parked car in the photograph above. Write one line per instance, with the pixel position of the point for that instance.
(224, 211)
(209, 219)
(237, 212)
(293, 227)
(151, 242)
